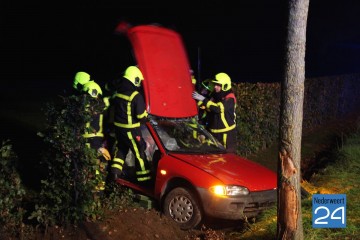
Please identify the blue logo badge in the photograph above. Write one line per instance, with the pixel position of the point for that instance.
(329, 211)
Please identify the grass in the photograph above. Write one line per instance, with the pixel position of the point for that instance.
(340, 176)
(315, 143)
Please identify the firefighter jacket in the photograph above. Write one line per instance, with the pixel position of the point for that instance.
(221, 115)
(97, 107)
(129, 106)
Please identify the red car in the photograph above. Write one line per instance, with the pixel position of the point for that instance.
(193, 175)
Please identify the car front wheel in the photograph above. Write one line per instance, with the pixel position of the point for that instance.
(181, 205)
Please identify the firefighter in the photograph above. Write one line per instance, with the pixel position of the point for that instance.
(220, 107)
(129, 113)
(93, 132)
(79, 81)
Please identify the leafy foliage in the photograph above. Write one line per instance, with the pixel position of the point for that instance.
(258, 108)
(11, 190)
(257, 115)
(68, 192)
(118, 197)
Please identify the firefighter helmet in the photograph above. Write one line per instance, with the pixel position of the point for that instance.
(80, 79)
(134, 75)
(224, 80)
(92, 88)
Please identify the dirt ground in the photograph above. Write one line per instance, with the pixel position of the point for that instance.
(131, 224)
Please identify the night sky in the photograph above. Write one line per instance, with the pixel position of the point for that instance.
(43, 46)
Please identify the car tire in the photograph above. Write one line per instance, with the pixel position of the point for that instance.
(181, 206)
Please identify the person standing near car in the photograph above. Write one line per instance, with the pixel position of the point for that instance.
(220, 107)
(94, 128)
(93, 132)
(129, 112)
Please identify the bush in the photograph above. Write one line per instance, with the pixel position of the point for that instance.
(11, 191)
(257, 115)
(68, 193)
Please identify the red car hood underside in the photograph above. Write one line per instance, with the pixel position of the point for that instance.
(162, 58)
(234, 170)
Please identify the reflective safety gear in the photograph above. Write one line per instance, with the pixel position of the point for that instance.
(80, 79)
(221, 120)
(224, 80)
(93, 129)
(130, 139)
(92, 88)
(134, 75)
(107, 102)
(129, 111)
(133, 107)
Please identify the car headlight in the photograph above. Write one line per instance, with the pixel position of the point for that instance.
(221, 190)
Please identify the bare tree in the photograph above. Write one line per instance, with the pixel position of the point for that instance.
(289, 225)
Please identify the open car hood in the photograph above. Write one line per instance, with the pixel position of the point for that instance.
(162, 58)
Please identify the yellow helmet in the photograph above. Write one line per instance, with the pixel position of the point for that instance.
(92, 88)
(80, 79)
(224, 80)
(134, 75)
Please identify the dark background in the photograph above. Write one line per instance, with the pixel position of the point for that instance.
(43, 45)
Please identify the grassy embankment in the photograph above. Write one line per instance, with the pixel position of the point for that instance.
(339, 176)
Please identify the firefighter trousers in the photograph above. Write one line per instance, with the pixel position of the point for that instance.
(130, 139)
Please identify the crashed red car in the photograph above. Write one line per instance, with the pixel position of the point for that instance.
(193, 175)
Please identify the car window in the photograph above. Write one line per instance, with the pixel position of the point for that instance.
(186, 136)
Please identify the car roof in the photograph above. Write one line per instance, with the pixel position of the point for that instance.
(161, 56)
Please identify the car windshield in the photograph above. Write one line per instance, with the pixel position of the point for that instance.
(186, 136)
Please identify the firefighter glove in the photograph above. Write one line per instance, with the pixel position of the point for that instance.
(197, 96)
(104, 153)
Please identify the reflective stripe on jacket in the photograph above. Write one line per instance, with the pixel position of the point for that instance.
(94, 128)
(130, 110)
(221, 115)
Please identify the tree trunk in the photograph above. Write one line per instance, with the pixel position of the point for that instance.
(289, 225)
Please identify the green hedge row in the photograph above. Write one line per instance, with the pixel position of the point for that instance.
(258, 107)
(257, 114)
